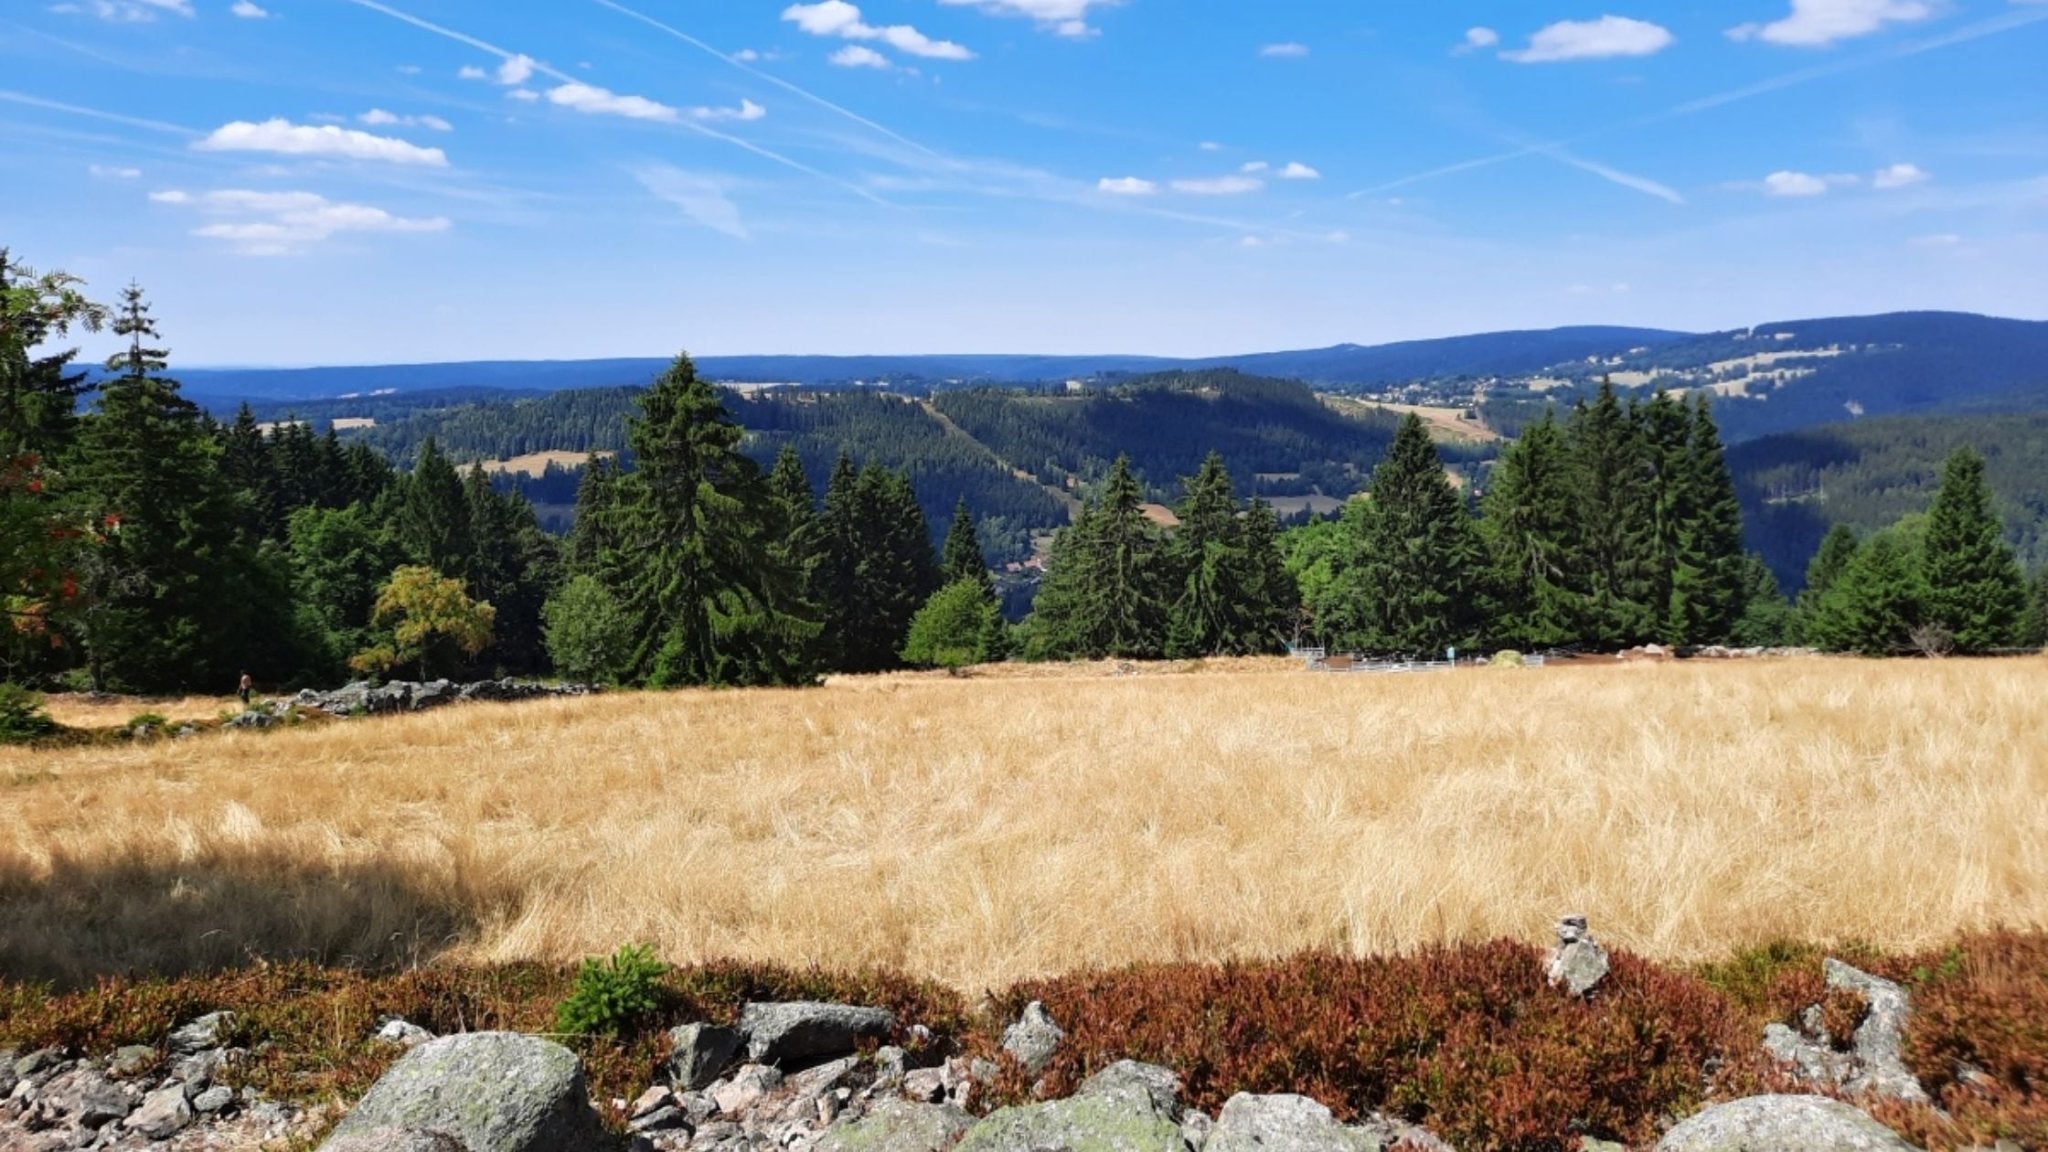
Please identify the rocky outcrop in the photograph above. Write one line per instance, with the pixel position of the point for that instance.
(1034, 1039)
(899, 1125)
(1127, 1107)
(698, 1053)
(1867, 1062)
(1578, 964)
(1782, 1124)
(363, 698)
(493, 1091)
(795, 1032)
(1284, 1124)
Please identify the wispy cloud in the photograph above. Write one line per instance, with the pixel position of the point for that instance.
(126, 11)
(1127, 186)
(287, 223)
(379, 118)
(1064, 17)
(701, 198)
(1478, 40)
(1286, 51)
(860, 56)
(105, 172)
(1899, 176)
(1797, 185)
(1296, 170)
(590, 98)
(249, 11)
(1819, 23)
(283, 138)
(1607, 37)
(1219, 185)
(843, 20)
(29, 101)
(1613, 175)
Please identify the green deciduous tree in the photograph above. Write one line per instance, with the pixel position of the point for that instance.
(589, 634)
(340, 558)
(953, 628)
(428, 622)
(1975, 589)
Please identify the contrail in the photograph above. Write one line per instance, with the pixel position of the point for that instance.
(1641, 184)
(113, 117)
(565, 78)
(771, 78)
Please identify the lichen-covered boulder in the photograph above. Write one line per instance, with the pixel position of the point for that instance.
(1782, 1124)
(1283, 1124)
(395, 1140)
(899, 1126)
(494, 1091)
(1127, 1107)
(699, 1053)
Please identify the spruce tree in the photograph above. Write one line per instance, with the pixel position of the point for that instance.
(1829, 561)
(1103, 594)
(1415, 573)
(432, 519)
(1221, 577)
(962, 558)
(833, 581)
(693, 566)
(595, 532)
(1767, 617)
(1614, 566)
(1975, 589)
(1664, 428)
(2036, 633)
(1709, 577)
(38, 390)
(1272, 599)
(797, 503)
(1877, 602)
(1529, 527)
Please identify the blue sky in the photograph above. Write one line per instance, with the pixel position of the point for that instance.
(348, 181)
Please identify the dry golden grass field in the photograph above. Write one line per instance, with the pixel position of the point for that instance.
(980, 830)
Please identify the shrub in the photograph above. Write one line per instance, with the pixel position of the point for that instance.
(22, 718)
(1508, 658)
(147, 723)
(612, 994)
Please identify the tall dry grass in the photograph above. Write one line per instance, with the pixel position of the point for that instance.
(984, 830)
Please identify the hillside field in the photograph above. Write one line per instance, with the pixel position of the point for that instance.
(982, 830)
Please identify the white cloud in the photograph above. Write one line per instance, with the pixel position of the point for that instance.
(746, 56)
(1296, 170)
(1126, 186)
(103, 172)
(516, 70)
(472, 72)
(1899, 176)
(1067, 18)
(838, 18)
(1210, 146)
(1479, 40)
(604, 102)
(1937, 240)
(127, 11)
(1287, 51)
(286, 223)
(379, 118)
(1255, 166)
(747, 111)
(1219, 186)
(523, 95)
(1819, 23)
(860, 56)
(701, 198)
(1796, 184)
(249, 11)
(285, 138)
(1609, 36)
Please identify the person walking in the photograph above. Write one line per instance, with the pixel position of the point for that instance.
(247, 686)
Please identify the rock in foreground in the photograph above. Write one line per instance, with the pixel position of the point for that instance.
(1782, 1124)
(493, 1091)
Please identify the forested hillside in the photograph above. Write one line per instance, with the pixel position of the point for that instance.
(1869, 473)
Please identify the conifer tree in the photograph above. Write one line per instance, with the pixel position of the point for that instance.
(1272, 598)
(1219, 584)
(1877, 601)
(1829, 561)
(791, 487)
(961, 558)
(1664, 430)
(1415, 572)
(594, 534)
(1767, 617)
(1709, 578)
(1103, 594)
(1614, 564)
(833, 580)
(694, 568)
(38, 390)
(1975, 589)
(1529, 528)
(245, 459)
(875, 568)
(432, 519)
(2036, 632)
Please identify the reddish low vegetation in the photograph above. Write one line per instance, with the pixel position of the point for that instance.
(1468, 1041)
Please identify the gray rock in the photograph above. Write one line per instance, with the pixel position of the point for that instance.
(899, 1126)
(1127, 1107)
(668, 1118)
(495, 1091)
(215, 1099)
(1578, 963)
(39, 1060)
(801, 1031)
(1284, 1124)
(403, 1033)
(198, 1069)
(88, 1098)
(700, 1054)
(396, 1140)
(209, 1031)
(1873, 1064)
(1034, 1038)
(1195, 1129)
(131, 1061)
(891, 1064)
(164, 1113)
(251, 719)
(1589, 1144)
(747, 1087)
(1782, 1124)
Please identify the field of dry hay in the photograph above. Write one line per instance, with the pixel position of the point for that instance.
(983, 830)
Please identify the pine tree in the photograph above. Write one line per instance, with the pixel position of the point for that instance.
(791, 487)
(1272, 598)
(1219, 583)
(693, 566)
(875, 567)
(1664, 429)
(1614, 569)
(1103, 594)
(1415, 574)
(432, 519)
(1975, 589)
(38, 390)
(1529, 528)
(1878, 601)
(594, 534)
(961, 558)
(1767, 617)
(2036, 633)
(1709, 592)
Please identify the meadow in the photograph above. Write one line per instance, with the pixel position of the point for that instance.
(982, 830)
